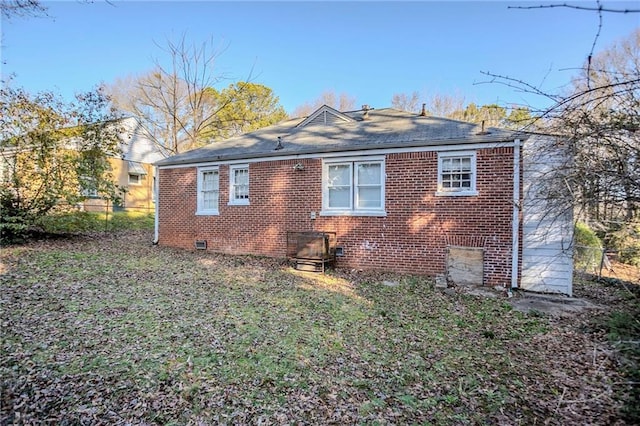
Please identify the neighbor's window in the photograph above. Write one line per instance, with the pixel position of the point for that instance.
(208, 191)
(457, 173)
(239, 184)
(135, 179)
(136, 172)
(353, 187)
(88, 187)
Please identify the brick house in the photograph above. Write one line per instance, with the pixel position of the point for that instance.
(403, 192)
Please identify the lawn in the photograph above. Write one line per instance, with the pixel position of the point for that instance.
(108, 329)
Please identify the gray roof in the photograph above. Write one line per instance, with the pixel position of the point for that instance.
(383, 128)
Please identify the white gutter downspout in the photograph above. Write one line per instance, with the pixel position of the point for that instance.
(515, 222)
(155, 218)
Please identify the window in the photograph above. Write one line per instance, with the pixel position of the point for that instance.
(134, 179)
(457, 173)
(90, 193)
(137, 172)
(88, 187)
(208, 191)
(353, 187)
(239, 184)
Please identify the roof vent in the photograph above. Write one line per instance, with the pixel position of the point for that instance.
(279, 146)
(482, 130)
(365, 115)
(325, 115)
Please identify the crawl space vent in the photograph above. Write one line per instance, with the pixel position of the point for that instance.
(201, 244)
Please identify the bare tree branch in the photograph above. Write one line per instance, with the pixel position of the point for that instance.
(600, 8)
(11, 8)
(599, 121)
(593, 45)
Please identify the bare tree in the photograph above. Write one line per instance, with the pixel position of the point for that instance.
(602, 117)
(442, 105)
(453, 106)
(406, 102)
(341, 102)
(172, 100)
(599, 120)
(438, 104)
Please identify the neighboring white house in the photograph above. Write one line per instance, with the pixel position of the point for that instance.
(133, 170)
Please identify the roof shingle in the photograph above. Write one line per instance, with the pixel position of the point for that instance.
(384, 128)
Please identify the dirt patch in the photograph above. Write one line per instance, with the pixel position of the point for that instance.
(622, 272)
(553, 305)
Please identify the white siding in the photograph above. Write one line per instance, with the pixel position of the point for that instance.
(137, 145)
(547, 263)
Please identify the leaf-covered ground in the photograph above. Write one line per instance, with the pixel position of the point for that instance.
(108, 329)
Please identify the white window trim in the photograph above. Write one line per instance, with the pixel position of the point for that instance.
(200, 211)
(457, 192)
(232, 200)
(352, 210)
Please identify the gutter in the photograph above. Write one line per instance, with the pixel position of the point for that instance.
(515, 222)
(156, 208)
(330, 150)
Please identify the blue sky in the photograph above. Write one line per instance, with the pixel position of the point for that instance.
(369, 50)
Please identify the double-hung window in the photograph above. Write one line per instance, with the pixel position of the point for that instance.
(208, 190)
(239, 184)
(353, 186)
(88, 187)
(457, 173)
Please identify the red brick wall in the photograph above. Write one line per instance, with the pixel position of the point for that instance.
(412, 238)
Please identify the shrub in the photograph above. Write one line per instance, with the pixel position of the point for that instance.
(70, 222)
(81, 221)
(587, 248)
(14, 222)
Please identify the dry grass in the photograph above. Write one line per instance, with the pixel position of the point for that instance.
(108, 329)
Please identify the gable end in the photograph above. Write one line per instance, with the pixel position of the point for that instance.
(325, 115)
